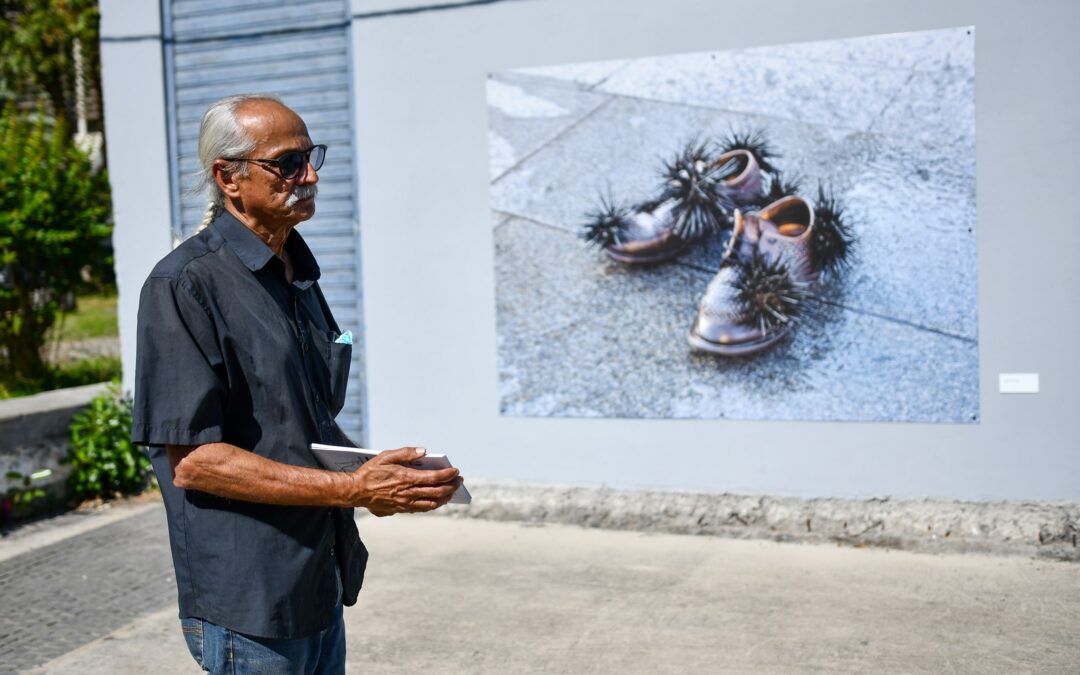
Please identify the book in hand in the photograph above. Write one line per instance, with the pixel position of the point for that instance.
(342, 458)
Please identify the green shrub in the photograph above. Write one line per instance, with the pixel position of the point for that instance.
(54, 215)
(23, 497)
(85, 371)
(104, 461)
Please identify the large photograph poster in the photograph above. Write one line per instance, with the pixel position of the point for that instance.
(775, 233)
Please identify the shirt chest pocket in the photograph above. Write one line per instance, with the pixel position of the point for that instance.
(337, 357)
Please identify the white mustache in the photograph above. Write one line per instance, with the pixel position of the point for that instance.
(301, 192)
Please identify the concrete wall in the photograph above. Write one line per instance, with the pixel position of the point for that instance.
(35, 434)
(428, 256)
(133, 95)
(428, 274)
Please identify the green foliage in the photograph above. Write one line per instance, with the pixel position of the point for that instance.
(37, 41)
(86, 371)
(54, 213)
(19, 500)
(104, 461)
(74, 374)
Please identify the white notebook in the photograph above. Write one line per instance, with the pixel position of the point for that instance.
(341, 458)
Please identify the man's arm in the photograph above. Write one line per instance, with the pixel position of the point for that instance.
(384, 485)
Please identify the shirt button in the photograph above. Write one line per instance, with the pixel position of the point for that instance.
(331, 551)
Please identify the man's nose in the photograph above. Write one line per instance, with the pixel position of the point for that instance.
(310, 175)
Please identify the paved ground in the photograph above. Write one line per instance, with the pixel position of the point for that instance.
(887, 121)
(82, 587)
(468, 596)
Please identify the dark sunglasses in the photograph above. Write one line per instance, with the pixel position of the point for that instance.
(292, 164)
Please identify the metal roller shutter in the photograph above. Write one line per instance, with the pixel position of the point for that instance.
(298, 50)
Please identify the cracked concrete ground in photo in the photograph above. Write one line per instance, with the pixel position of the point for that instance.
(886, 122)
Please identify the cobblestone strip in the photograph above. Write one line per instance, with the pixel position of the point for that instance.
(27, 536)
(58, 597)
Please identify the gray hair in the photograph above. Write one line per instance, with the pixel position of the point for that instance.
(220, 135)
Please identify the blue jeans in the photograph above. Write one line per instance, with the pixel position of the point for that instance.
(219, 650)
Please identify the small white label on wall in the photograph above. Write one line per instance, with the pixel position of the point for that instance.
(1018, 383)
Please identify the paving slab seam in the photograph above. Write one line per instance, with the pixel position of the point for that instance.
(504, 218)
(595, 87)
(533, 221)
(570, 127)
(510, 215)
(732, 111)
(888, 104)
(758, 114)
(567, 83)
(902, 322)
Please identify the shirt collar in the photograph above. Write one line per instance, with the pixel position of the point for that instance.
(255, 254)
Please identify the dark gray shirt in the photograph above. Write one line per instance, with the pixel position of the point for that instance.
(230, 351)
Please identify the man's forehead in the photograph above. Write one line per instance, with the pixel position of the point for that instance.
(273, 126)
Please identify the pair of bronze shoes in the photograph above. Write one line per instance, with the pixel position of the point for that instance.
(701, 189)
(780, 247)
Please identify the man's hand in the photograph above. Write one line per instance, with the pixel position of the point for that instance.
(386, 484)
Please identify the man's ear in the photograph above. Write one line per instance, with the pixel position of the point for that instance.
(225, 179)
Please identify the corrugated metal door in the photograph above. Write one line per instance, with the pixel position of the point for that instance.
(298, 50)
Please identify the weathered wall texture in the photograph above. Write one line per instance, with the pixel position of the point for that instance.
(1044, 529)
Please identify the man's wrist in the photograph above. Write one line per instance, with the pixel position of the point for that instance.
(347, 490)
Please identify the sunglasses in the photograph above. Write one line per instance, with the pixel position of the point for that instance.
(292, 164)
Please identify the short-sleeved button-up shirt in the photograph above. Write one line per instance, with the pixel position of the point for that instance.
(230, 351)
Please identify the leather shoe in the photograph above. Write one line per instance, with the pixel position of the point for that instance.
(701, 190)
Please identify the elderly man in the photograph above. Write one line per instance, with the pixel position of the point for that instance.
(240, 368)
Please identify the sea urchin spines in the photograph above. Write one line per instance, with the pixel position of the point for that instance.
(754, 142)
(606, 225)
(767, 295)
(833, 240)
(780, 186)
(695, 184)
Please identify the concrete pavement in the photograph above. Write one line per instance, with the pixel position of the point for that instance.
(448, 595)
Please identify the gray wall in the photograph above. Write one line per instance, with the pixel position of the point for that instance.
(428, 276)
(428, 253)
